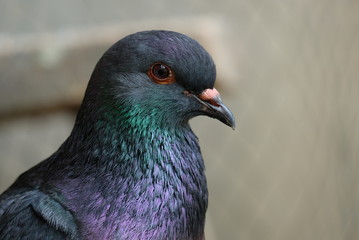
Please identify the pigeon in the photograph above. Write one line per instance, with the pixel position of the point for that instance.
(132, 166)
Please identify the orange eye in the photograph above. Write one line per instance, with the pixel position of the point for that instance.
(160, 73)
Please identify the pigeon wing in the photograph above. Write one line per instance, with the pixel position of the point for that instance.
(34, 215)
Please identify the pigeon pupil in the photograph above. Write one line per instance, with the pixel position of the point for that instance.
(161, 71)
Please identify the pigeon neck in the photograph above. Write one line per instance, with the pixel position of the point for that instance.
(157, 172)
(127, 131)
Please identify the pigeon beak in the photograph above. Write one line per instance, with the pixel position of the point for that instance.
(214, 107)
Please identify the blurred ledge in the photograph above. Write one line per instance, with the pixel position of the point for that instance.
(71, 107)
(46, 72)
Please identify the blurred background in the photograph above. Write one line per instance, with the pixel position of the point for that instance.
(287, 69)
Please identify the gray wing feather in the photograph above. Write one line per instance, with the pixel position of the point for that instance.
(34, 215)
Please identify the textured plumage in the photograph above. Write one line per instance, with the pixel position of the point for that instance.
(132, 167)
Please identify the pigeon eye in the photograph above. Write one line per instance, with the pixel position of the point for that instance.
(160, 73)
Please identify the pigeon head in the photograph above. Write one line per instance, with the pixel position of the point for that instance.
(159, 78)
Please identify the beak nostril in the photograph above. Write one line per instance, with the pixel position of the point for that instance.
(211, 96)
